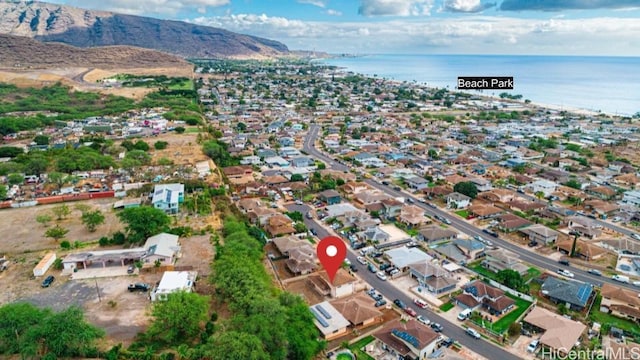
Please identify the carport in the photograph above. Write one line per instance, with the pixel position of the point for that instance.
(106, 257)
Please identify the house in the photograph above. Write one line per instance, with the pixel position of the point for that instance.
(302, 161)
(391, 207)
(541, 234)
(330, 197)
(481, 184)
(544, 186)
(502, 259)
(249, 204)
(456, 200)
(601, 207)
(373, 234)
(510, 223)
(370, 197)
(359, 310)
(452, 252)
(498, 195)
(412, 216)
(344, 283)
(620, 302)
(584, 226)
(416, 183)
(482, 211)
(238, 172)
(434, 233)
(406, 340)
(559, 333)
(471, 248)
(168, 197)
(480, 294)
(162, 247)
(301, 256)
(575, 295)
(279, 225)
(329, 320)
(403, 256)
(174, 281)
(276, 161)
(584, 249)
(631, 197)
(432, 277)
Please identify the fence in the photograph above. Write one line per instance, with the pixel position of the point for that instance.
(58, 199)
(510, 290)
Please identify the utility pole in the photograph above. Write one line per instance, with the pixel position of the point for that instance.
(97, 289)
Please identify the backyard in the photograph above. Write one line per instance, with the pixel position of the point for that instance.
(532, 272)
(503, 323)
(463, 213)
(613, 321)
(356, 348)
(447, 306)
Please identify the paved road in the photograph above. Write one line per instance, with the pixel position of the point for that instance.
(462, 225)
(390, 292)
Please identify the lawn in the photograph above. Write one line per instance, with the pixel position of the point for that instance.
(502, 325)
(447, 306)
(183, 85)
(532, 273)
(608, 319)
(192, 130)
(358, 345)
(463, 213)
(344, 356)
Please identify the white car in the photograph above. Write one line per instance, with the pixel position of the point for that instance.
(636, 283)
(381, 275)
(566, 273)
(423, 320)
(533, 345)
(362, 260)
(473, 333)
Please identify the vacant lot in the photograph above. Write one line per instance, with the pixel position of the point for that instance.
(21, 232)
(197, 251)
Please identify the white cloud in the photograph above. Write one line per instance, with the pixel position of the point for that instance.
(470, 35)
(318, 3)
(470, 6)
(146, 7)
(333, 12)
(395, 7)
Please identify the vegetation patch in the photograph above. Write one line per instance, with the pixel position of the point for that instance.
(447, 306)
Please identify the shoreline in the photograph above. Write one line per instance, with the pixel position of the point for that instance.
(532, 104)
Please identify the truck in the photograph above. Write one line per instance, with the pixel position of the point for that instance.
(621, 278)
(4, 263)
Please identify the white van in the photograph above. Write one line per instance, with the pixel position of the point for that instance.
(621, 278)
(464, 314)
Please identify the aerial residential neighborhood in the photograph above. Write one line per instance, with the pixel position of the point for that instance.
(477, 227)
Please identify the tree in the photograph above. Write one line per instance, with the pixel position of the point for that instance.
(510, 278)
(574, 184)
(61, 211)
(466, 188)
(58, 179)
(179, 130)
(433, 153)
(91, 219)
(141, 145)
(300, 227)
(295, 216)
(514, 329)
(3, 192)
(15, 179)
(160, 145)
(241, 126)
(41, 140)
(297, 177)
(44, 219)
(57, 232)
(539, 194)
(574, 245)
(234, 345)
(178, 319)
(143, 222)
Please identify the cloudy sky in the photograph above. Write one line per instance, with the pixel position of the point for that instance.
(568, 27)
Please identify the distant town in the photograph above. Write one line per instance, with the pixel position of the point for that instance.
(183, 224)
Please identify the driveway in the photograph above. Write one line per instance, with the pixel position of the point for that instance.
(61, 295)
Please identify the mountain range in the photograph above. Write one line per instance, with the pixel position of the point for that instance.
(88, 28)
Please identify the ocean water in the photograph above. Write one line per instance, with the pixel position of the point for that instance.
(607, 84)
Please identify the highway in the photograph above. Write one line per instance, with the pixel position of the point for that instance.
(462, 225)
(390, 292)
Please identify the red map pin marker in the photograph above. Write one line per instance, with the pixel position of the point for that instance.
(331, 251)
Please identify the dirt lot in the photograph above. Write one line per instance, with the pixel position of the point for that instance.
(197, 251)
(182, 149)
(24, 234)
(302, 288)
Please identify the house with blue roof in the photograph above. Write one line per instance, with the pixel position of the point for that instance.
(168, 197)
(573, 294)
(472, 249)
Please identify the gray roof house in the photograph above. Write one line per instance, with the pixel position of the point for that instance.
(540, 233)
(455, 200)
(452, 252)
(432, 277)
(168, 197)
(435, 233)
(403, 256)
(472, 248)
(375, 234)
(162, 247)
(501, 259)
(416, 182)
(573, 293)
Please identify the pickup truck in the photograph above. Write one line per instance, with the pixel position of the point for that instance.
(139, 287)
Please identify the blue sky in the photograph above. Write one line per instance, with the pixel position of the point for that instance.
(566, 27)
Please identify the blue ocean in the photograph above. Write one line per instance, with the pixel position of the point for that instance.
(607, 84)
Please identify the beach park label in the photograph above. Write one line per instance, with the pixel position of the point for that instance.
(485, 83)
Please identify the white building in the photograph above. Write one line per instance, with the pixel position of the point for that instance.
(631, 197)
(545, 186)
(174, 281)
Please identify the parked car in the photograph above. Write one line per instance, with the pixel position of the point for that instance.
(309, 215)
(532, 243)
(490, 232)
(533, 346)
(410, 201)
(636, 283)
(473, 333)
(564, 262)
(131, 269)
(432, 205)
(353, 268)
(566, 273)
(381, 302)
(423, 320)
(420, 303)
(399, 303)
(635, 236)
(621, 278)
(447, 342)
(385, 266)
(299, 202)
(594, 272)
(362, 260)
(139, 287)
(381, 275)
(436, 327)
(397, 188)
(47, 281)
(372, 268)
(410, 311)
